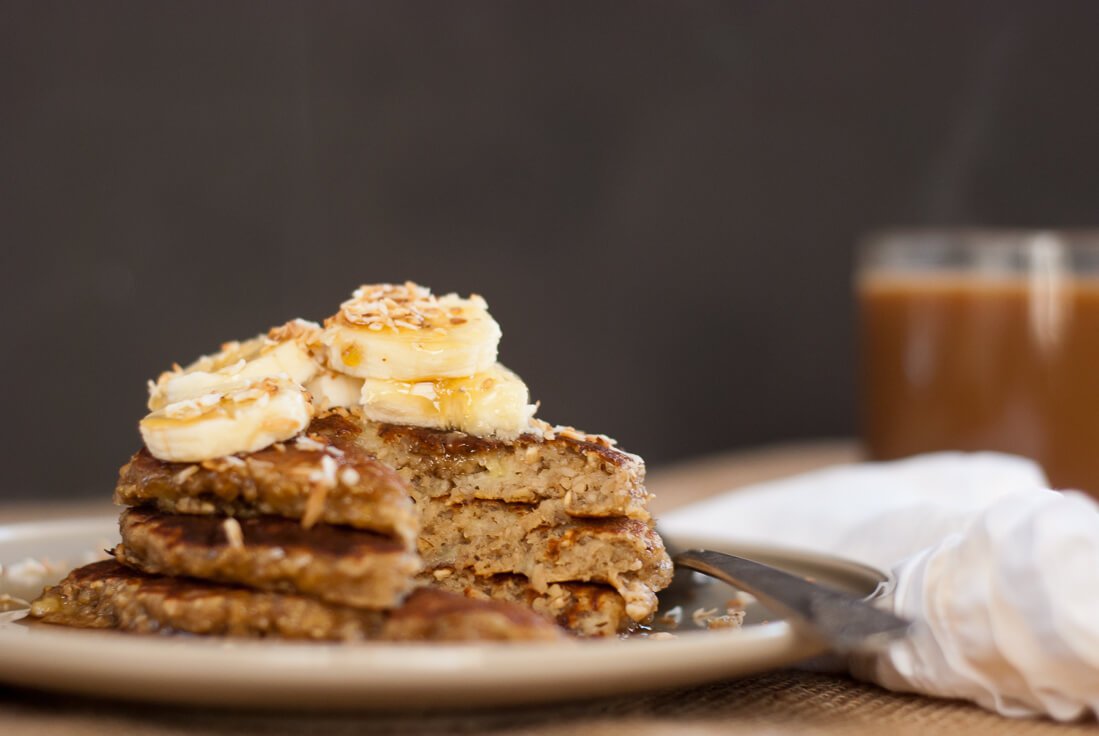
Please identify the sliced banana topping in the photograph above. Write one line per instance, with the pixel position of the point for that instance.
(227, 421)
(402, 354)
(331, 390)
(491, 403)
(405, 333)
(285, 350)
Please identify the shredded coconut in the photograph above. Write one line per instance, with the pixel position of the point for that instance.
(672, 617)
(25, 579)
(259, 391)
(302, 330)
(328, 470)
(550, 432)
(314, 505)
(406, 306)
(186, 473)
(731, 620)
(233, 533)
(308, 444)
(702, 615)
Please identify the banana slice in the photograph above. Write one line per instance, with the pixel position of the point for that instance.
(331, 390)
(404, 333)
(284, 351)
(240, 418)
(494, 403)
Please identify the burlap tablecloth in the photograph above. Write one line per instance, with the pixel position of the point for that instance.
(785, 702)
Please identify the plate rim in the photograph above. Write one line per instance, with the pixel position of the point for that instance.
(307, 676)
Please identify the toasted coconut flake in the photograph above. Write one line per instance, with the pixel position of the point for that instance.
(406, 306)
(329, 468)
(302, 330)
(391, 305)
(309, 444)
(731, 620)
(314, 505)
(702, 615)
(672, 617)
(234, 535)
(186, 473)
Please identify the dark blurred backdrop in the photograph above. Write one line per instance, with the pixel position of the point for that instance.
(659, 200)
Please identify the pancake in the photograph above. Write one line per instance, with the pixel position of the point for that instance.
(326, 478)
(109, 595)
(591, 476)
(587, 610)
(546, 546)
(336, 564)
(438, 615)
(325, 533)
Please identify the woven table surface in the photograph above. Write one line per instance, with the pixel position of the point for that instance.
(784, 702)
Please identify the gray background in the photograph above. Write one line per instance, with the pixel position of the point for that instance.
(659, 200)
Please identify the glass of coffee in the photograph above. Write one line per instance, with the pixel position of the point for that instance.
(983, 340)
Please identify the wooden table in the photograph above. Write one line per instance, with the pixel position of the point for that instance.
(785, 702)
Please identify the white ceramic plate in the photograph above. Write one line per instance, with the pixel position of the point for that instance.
(280, 675)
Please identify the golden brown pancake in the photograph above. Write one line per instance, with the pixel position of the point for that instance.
(589, 475)
(546, 545)
(334, 563)
(585, 609)
(326, 478)
(109, 595)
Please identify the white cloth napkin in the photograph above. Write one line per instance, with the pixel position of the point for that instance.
(1000, 574)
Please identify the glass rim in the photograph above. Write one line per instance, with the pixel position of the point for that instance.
(982, 250)
(978, 236)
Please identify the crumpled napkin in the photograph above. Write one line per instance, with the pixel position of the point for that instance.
(1000, 573)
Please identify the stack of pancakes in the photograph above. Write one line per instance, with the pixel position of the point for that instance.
(380, 477)
(363, 530)
(312, 539)
(554, 518)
